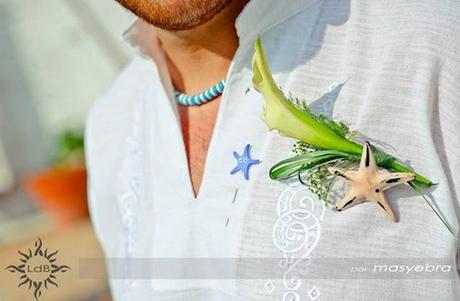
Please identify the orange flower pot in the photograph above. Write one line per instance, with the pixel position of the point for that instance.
(62, 192)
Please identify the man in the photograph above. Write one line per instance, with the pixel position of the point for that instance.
(179, 170)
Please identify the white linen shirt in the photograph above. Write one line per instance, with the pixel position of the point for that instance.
(388, 69)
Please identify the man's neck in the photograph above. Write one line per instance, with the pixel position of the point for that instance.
(200, 57)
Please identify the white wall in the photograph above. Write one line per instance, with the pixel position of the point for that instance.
(56, 58)
(68, 52)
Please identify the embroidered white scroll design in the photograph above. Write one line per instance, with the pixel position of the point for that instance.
(129, 179)
(296, 233)
(128, 195)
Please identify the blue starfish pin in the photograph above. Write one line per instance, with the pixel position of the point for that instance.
(244, 162)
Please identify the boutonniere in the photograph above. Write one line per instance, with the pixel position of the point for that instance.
(326, 150)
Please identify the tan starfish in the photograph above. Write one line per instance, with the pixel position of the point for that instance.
(368, 183)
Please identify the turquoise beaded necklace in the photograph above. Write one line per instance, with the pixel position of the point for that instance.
(201, 98)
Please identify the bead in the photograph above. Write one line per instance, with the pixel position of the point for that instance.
(201, 98)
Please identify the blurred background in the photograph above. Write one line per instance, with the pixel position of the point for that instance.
(56, 58)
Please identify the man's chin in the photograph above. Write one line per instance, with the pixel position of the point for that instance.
(176, 15)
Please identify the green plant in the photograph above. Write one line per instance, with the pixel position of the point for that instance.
(70, 148)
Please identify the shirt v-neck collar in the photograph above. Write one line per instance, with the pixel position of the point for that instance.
(257, 17)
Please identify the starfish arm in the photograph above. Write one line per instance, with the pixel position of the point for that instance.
(246, 172)
(235, 170)
(235, 154)
(352, 174)
(351, 198)
(246, 151)
(382, 202)
(347, 175)
(367, 159)
(251, 162)
(392, 179)
(342, 173)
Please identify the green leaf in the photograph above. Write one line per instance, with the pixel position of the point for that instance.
(292, 166)
(435, 209)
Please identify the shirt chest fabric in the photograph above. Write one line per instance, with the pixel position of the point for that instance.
(156, 215)
(234, 218)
